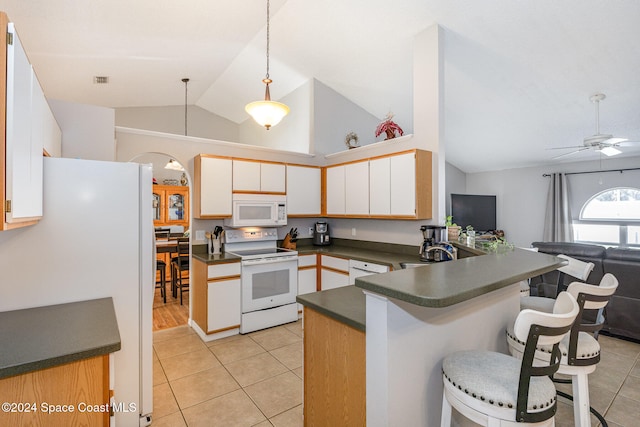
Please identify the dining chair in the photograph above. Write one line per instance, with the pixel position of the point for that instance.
(180, 265)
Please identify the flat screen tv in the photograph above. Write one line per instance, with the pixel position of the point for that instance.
(474, 210)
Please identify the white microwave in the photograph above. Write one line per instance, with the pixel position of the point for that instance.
(258, 210)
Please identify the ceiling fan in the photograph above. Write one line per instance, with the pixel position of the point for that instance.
(604, 143)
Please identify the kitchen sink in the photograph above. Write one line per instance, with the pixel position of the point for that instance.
(405, 265)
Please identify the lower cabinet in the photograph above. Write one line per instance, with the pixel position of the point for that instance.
(307, 275)
(216, 296)
(334, 272)
(82, 386)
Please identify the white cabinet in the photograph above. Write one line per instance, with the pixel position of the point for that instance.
(392, 185)
(334, 272)
(356, 177)
(403, 184)
(380, 186)
(273, 178)
(28, 126)
(222, 311)
(307, 282)
(223, 305)
(335, 190)
(304, 188)
(212, 187)
(348, 189)
(258, 177)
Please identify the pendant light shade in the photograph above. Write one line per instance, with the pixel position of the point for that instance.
(267, 113)
(173, 165)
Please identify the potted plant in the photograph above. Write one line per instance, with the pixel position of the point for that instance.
(453, 229)
(389, 127)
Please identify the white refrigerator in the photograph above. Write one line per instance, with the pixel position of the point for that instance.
(95, 240)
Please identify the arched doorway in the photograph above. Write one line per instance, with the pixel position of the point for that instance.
(172, 213)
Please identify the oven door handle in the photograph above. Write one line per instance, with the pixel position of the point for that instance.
(269, 260)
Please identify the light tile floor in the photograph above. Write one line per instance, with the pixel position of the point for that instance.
(256, 379)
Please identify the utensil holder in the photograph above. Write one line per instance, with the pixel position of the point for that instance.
(215, 246)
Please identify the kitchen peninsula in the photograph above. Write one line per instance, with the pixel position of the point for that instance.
(411, 319)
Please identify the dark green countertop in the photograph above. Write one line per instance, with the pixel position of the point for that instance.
(385, 254)
(43, 337)
(446, 283)
(215, 259)
(344, 304)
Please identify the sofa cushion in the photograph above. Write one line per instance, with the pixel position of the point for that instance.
(625, 265)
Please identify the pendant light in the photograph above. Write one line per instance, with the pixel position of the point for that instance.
(267, 113)
(172, 164)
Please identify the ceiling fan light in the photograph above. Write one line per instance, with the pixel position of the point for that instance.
(267, 113)
(610, 151)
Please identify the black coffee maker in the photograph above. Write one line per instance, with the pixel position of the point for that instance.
(321, 234)
(434, 236)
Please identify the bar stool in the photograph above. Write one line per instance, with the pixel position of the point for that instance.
(161, 266)
(580, 350)
(493, 389)
(574, 268)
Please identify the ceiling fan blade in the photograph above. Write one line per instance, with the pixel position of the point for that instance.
(627, 143)
(614, 141)
(566, 148)
(569, 154)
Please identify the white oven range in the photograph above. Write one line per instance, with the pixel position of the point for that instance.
(269, 278)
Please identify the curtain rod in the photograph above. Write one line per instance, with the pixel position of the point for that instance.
(601, 171)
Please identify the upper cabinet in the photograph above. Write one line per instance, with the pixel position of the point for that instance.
(258, 177)
(304, 190)
(212, 187)
(170, 205)
(394, 186)
(28, 127)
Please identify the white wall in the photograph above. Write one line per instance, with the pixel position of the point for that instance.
(334, 117)
(456, 182)
(293, 133)
(170, 119)
(87, 130)
(522, 193)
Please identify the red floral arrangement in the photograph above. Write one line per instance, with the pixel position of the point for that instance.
(389, 127)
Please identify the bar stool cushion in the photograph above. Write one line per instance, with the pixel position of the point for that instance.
(492, 379)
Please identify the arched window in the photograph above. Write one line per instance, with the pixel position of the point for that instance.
(611, 217)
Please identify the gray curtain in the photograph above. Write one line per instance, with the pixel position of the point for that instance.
(557, 222)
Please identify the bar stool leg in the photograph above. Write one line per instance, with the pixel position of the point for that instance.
(581, 414)
(445, 420)
(163, 283)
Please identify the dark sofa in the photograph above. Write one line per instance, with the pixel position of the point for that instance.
(623, 311)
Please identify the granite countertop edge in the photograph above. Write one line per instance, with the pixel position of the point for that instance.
(37, 340)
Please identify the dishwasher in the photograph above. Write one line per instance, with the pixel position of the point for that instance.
(361, 268)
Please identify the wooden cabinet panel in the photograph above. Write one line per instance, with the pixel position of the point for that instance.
(334, 372)
(170, 205)
(304, 191)
(85, 382)
(212, 187)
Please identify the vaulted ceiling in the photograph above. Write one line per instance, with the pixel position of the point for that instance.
(518, 74)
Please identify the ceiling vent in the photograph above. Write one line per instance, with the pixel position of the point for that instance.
(101, 80)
